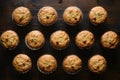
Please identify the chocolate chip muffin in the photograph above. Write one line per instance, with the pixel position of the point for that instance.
(22, 63)
(9, 39)
(59, 39)
(72, 64)
(47, 64)
(34, 40)
(72, 15)
(85, 39)
(47, 16)
(21, 16)
(97, 64)
(109, 40)
(97, 15)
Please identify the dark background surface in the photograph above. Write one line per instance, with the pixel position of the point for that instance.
(7, 71)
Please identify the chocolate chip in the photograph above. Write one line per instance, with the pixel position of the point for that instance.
(94, 19)
(47, 17)
(84, 42)
(57, 43)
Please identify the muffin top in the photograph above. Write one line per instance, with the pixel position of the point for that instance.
(47, 63)
(9, 39)
(72, 15)
(72, 64)
(47, 15)
(109, 40)
(98, 15)
(21, 15)
(35, 39)
(59, 39)
(22, 63)
(84, 39)
(97, 63)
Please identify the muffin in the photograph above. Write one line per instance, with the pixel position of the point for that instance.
(34, 40)
(47, 16)
(47, 64)
(97, 15)
(72, 15)
(9, 39)
(97, 64)
(59, 39)
(110, 40)
(85, 39)
(21, 16)
(22, 63)
(72, 64)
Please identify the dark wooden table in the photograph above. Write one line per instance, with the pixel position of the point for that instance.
(7, 71)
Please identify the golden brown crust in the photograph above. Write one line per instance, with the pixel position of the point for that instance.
(35, 39)
(97, 63)
(22, 63)
(98, 15)
(47, 63)
(47, 15)
(72, 64)
(21, 16)
(9, 39)
(84, 39)
(72, 15)
(59, 39)
(109, 40)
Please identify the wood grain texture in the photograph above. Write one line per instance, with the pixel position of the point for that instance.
(7, 71)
